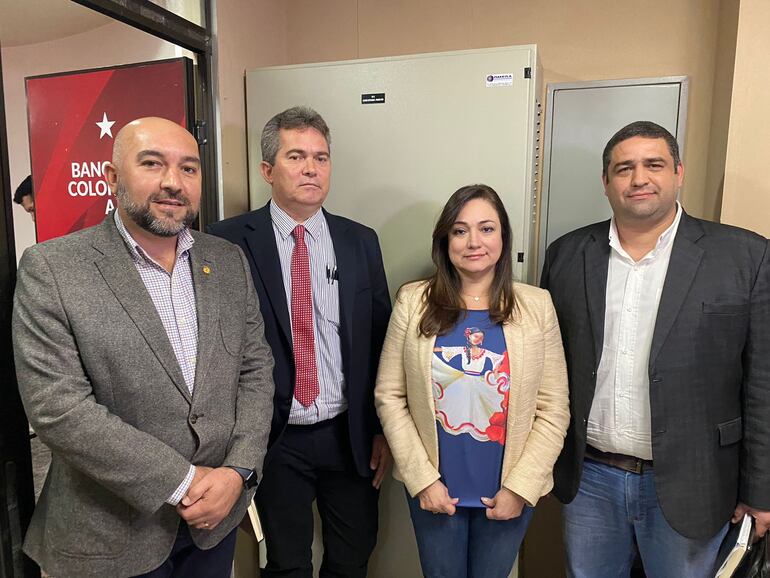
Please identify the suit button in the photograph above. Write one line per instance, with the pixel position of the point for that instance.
(193, 418)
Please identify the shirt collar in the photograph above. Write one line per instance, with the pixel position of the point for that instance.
(285, 224)
(184, 241)
(664, 241)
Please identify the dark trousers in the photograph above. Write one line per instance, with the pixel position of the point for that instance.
(189, 561)
(315, 462)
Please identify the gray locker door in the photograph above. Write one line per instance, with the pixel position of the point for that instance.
(395, 163)
(580, 119)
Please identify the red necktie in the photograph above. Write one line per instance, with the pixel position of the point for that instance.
(306, 373)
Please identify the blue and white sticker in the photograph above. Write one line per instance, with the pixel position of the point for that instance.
(494, 80)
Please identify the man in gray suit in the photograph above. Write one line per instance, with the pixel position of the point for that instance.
(142, 364)
(665, 323)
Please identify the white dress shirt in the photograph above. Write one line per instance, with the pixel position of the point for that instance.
(619, 421)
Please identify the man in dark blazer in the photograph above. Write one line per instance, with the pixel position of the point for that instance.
(325, 302)
(665, 321)
(142, 364)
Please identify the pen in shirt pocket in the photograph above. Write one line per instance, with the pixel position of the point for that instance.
(332, 274)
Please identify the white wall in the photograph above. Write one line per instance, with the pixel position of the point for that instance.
(108, 45)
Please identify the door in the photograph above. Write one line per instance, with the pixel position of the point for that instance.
(16, 495)
(580, 119)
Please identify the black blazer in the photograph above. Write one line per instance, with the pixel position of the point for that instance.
(709, 367)
(364, 313)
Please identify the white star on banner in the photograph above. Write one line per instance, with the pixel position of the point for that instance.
(105, 126)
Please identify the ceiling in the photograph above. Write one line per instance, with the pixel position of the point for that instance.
(33, 21)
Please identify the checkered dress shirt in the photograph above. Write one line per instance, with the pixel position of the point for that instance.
(174, 297)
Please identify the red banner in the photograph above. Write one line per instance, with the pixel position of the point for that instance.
(73, 119)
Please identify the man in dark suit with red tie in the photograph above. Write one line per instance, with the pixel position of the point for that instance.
(324, 297)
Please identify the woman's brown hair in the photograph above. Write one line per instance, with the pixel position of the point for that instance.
(443, 301)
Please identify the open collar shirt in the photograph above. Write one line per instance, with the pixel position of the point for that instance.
(619, 421)
(173, 295)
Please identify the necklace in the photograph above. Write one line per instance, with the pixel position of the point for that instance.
(476, 298)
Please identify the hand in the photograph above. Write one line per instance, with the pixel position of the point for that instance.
(435, 498)
(761, 518)
(504, 506)
(210, 500)
(381, 459)
(200, 473)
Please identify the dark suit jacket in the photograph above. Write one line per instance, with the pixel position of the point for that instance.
(365, 310)
(709, 367)
(102, 387)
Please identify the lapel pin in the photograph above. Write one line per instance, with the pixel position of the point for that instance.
(206, 269)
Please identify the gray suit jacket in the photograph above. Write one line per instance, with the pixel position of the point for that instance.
(709, 367)
(103, 389)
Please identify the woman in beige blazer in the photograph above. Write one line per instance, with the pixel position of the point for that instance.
(472, 394)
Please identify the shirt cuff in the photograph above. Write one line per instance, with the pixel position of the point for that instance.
(181, 491)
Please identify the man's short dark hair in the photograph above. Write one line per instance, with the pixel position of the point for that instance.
(23, 190)
(297, 117)
(644, 129)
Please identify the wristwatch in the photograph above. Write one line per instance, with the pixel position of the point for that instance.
(249, 477)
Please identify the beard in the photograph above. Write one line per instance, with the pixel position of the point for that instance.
(166, 226)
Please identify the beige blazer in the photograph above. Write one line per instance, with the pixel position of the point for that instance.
(538, 409)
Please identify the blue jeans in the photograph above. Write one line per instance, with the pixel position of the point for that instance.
(467, 545)
(615, 512)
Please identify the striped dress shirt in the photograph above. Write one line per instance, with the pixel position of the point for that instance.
(174, 297)
(331, 400)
